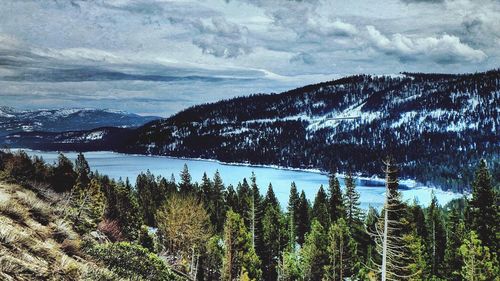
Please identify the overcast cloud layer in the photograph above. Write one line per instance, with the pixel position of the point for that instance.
(157, 57)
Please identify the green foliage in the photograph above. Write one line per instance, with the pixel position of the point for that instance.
(484, 206)
(341, 249)
(63, 176)
(122, 206)
(272, 234)
(303, 221)
(238, 251)
(320, 208)
(478, 262)
(185, 186)
(352, 210)
(313, 253)
(335, 200)
(133, 261)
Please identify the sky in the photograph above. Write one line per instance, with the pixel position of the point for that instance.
(159, 57)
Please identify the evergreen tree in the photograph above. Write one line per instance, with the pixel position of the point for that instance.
(293, 211)
(336, 204)
(271, 241)
(313, 252)
(231, 198)
(437, 237)
(257, 213)
(63, 177)
(452, 260)
(97, 201)
(478, 262)
(414, 257)
(245, 202)
(147, 191)
(238, 251)
(270, 199)
(185, 186)
(353, 212)
(82, 170)
(341, 249)
(320, 208)
(484, 207)
(303, 222)
(219, 213)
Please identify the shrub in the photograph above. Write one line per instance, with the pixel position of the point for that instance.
(111, 229)
(132, 261)
(71, 247)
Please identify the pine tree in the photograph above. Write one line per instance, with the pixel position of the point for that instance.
(97, 201)
(271, 241)
(147, 191)
(231, 198)
(414, 256)
(353, 212)
(185, 186)
(303, 221)
(478, 262)
(341, 249)
(484, 207)
(82, 170)
(313, 252)
(270, 199)
(245, 202)
(256, 216)
(389, 236)
(320, 208)
(218, 202)
(452, 260)
(336, 204)
(293, 212)
(437, 237)
(63, 177)
(238, 251)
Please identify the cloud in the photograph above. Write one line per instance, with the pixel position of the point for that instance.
(446, 49)
(422, 1)
(304, 58)
(221, 38)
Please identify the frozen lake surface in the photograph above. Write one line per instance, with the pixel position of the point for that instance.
(118, 165)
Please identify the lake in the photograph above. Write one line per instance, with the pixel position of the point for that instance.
(117, 165)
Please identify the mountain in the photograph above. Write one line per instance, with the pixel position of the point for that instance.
(60, 120)
(436, 126)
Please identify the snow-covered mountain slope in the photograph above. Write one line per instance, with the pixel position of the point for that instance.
(59, 120)
(436, 125)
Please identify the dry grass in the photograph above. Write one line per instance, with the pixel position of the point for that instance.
(61, 230)
(11, 237)
(39, 210)
(14, 210)
(38, 243)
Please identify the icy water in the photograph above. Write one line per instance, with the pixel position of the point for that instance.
(118, 165)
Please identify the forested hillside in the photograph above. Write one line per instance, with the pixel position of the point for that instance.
(168, 229)
(436, 126)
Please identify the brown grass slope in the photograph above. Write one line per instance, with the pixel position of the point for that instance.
(37, 242)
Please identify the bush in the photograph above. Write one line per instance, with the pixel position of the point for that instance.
(133, 261)
(71, 247)
(111, 229)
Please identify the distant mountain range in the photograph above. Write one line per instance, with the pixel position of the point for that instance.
(437, 126)
(59, 120)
